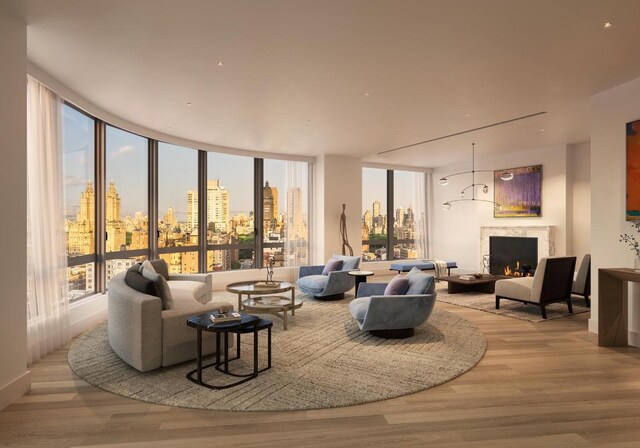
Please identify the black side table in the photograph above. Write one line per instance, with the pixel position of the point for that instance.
(361, 276)
(247, 324)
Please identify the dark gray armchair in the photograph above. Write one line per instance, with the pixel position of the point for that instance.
(328, 287)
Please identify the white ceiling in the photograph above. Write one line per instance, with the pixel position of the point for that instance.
(296, 72)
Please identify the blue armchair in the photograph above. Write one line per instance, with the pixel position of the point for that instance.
(392, 317)
(328, 287)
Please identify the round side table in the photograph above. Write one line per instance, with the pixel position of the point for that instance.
(361, 276)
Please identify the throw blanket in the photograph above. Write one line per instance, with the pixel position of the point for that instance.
(440, 267)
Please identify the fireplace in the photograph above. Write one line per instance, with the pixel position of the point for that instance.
(512, 255)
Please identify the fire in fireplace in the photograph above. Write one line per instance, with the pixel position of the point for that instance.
(513, 256)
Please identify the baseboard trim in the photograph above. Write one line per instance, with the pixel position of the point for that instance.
(634, 338)
(593, 326)
(15, 389)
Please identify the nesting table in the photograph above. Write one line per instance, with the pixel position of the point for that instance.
(260, 298)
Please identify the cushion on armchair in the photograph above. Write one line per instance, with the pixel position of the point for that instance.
(161, 267)
(184, 291)
(134, 279)
(419, 282)
(349, 262)
(398, 286)
(332, 265)
(164, 292)
(359, 307)
(314, 283)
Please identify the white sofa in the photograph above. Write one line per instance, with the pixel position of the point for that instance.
(147, 337)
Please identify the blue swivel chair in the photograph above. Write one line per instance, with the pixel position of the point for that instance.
(328, 287)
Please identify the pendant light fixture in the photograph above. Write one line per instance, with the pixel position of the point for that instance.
(506, 176)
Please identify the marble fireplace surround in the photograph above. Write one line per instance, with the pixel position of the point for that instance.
(544, 234)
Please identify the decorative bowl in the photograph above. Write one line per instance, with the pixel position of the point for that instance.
(478, 275)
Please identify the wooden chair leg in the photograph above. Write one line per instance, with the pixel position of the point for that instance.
(497, 302)
(543, 311)
(569, 305)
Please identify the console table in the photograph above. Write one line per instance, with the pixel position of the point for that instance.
(613, 305)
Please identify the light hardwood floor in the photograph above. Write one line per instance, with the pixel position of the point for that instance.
(539, 385)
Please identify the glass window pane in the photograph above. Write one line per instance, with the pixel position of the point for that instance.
(80, 281)
(126, 208)
(229, 259)
(177, 196)
(230, 215)
(374, 214)
(286, 210)
(116, 266)
(182, 262)
(404, 202)
(78, 149)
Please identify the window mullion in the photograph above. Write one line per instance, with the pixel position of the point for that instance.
(258, 215)
(390, 216)
(100, 228)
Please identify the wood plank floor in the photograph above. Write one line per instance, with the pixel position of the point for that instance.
(544, 384)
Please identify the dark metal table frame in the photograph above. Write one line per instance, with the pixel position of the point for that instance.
(222, 365)
(485, 284)
(361, 277)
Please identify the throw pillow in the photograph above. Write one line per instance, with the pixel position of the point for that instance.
(348, 262)
(147, 266)
(420, 282)
(398, 286)
(136, 281)
(161, 267)
(161, 284)
(332, 265)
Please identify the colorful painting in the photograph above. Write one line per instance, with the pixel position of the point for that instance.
(520, 197)
(633, 171)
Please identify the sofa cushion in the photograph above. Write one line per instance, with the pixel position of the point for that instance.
(419, 282)
(398, 286)
(161, 267)
(349, 263)
(359, 307)
(516, 288)
(313, 283)
(136, 281)
(187, 291)
(332, 265)
(161, 284)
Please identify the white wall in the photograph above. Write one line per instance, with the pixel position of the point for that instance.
(456, 233)
(610, 111)
(581, 213)
(14, 378)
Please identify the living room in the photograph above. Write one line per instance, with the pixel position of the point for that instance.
(352, 152)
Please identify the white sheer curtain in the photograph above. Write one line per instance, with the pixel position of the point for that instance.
(421, 214)
(296, 240)
(47, 303)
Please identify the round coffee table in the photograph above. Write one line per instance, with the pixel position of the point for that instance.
(361, 276)
(260, 299)
(276, 305)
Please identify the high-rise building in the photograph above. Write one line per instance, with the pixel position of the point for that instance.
(169, 218)
(192, 210)
(270, 207)
(217, 206)
(295, 224)
(376, 209)
(399, 216)
(116, 229)
(368, 220)
(80, 233)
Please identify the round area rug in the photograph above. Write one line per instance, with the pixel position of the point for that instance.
(322, 361)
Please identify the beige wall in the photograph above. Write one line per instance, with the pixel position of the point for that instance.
(581, 204)
(610, 111)
(338, 180)
(14, 379)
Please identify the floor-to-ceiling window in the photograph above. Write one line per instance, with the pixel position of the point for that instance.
(393, 214)
(78, 148)
(126, 200)
(374, 214)
(230, 212)
(178, 215)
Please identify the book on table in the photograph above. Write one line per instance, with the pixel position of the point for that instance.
(225, 317)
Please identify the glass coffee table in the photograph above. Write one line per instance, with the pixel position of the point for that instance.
(261, 298)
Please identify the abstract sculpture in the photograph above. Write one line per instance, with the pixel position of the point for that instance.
(343, 232)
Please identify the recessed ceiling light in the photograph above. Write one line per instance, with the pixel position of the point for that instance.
(607, 25)
(188, 104)
(220, 63)
(542, 130)
(367, 94)
(467, 114)
(308, 121)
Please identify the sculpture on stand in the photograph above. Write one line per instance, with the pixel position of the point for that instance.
(343, 232)
(270, 263)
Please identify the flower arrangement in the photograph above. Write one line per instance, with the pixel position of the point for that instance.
(631, 240)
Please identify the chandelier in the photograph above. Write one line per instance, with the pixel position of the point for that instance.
(506, 175)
